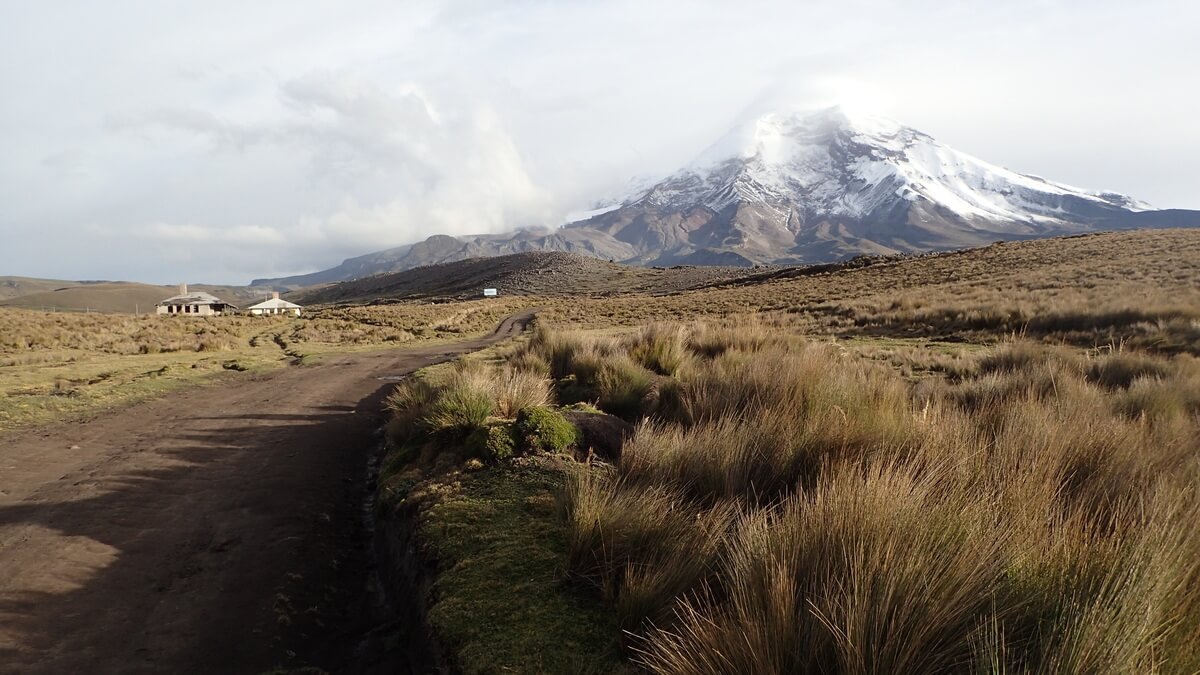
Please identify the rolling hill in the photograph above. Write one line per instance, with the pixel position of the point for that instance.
(535, 273)
(15, 287)
(109, 296)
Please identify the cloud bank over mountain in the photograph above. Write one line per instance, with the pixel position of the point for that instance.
(223, 142)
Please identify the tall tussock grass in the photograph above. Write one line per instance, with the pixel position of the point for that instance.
(469, 395)
(784, 507)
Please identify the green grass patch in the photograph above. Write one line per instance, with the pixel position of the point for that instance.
(501, 605)
(86, 385)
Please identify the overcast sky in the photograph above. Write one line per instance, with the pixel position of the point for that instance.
(219, 141)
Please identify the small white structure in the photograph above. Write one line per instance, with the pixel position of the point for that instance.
(274, 305)
(490, 292)
(194, 304)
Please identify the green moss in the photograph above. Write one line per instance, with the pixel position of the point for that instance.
(584, 408)
(545, 430)
(492, 442)
(501, 605)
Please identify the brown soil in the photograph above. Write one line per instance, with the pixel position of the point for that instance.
(214, 530)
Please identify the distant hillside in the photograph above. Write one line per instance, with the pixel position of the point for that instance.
(535, 273)
(111, 296)
(442, 248)
(13, 287)
(351, 268)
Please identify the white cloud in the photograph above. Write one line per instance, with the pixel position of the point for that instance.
(240, 235)
(306, 132)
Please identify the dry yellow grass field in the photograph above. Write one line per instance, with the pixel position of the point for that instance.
(1138, 289)
(61, 364)
(987, 291)
(979, 462)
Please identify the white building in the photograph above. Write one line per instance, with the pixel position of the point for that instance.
(274, 305)
(198, 303)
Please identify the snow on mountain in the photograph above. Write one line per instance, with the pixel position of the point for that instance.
(829, 163)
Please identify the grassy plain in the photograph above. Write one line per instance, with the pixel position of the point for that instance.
(58, 365)
(980, 462)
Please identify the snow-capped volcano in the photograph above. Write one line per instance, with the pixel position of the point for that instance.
(803, 186)
(808, 186)
(835, 164)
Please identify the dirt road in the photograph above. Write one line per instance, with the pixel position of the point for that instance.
(214, 530)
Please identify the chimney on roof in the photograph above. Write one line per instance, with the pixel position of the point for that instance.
(183, 289)
(274, 295)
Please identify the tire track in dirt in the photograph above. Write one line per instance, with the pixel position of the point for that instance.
(216, 529)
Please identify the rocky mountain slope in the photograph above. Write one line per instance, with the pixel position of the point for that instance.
(807, 186)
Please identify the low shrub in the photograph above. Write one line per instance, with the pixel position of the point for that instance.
(584, 408)
(545, 430)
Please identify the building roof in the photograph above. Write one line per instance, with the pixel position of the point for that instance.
(275, 303)
(194, 298)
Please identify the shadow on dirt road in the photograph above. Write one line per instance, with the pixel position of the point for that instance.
(213, 530)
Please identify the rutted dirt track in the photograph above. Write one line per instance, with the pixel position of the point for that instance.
(214, 530)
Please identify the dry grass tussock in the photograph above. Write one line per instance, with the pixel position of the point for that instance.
(465, 398)
(471, 409)
(785, 506)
